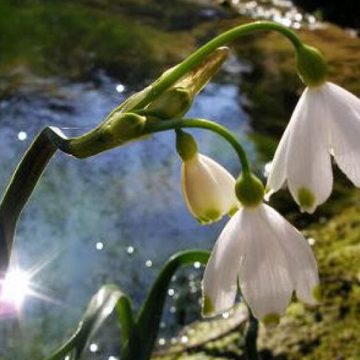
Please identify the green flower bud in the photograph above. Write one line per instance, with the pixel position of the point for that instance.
(311, 66)
(124, 127)
(249, 190)
(173, 103)
(186, 145)
(118, 129)
(177, 99)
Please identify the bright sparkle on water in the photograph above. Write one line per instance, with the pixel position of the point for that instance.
(162, 341)
(112, 358)
(99, 245)
(197, 264)
(184, 339)
(120, 88)
(148, 263)
(130, 250)
(15, 287)
(22, 135)
(94, 347)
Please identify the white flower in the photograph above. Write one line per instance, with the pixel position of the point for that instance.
(269, 259)
(326, 121)
(208, 189)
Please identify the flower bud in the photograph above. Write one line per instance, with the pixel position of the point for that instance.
(177, 99)
(173, 103)
(124, 127)
(311, 65)
(118, 129)
(249, 190)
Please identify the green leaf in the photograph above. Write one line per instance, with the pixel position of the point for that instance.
(145, 330)
(100, 307)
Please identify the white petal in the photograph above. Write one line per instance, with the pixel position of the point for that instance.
(308, 160)
(344, 109)
(277, 175)
(220, 277)
(302, 266)
(209, 190)
(225, 182)
(264, 278)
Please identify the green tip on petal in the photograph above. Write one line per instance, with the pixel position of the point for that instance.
(212, 214)
(306, 199)
(316, 293)
(271, 320)
(233, 211)
(209, 217)
(207, 307)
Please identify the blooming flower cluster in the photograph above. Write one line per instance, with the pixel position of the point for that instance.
(259, 251)
(326, 121)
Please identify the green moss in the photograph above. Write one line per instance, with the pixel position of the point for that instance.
(72, 39)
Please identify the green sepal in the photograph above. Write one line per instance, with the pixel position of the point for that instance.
(249, 190)
(186, 145)
(311, 65)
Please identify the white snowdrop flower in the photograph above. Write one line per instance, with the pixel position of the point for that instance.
(269, 259)
(208, 189)
(325, 122)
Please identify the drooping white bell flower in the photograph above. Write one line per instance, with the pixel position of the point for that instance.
(325, 122)
(208, 188)
(269, 259)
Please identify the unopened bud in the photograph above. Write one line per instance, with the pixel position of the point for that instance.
(173, 103)
(124, 127)
(177, 99)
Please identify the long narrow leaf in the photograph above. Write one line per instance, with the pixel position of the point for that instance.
(143, 337)
(100, 307)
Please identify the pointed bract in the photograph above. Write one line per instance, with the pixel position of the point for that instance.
(326, 121)
(270, 259)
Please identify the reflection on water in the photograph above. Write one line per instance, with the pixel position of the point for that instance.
(281, 11)
(112, 218)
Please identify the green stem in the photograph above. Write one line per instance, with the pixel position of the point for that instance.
(251, 335)
(203, 124)
(199, 55)
(143, 337)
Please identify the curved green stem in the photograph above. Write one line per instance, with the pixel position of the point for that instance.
(198, 56)
(141, 343)
(203, 124)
